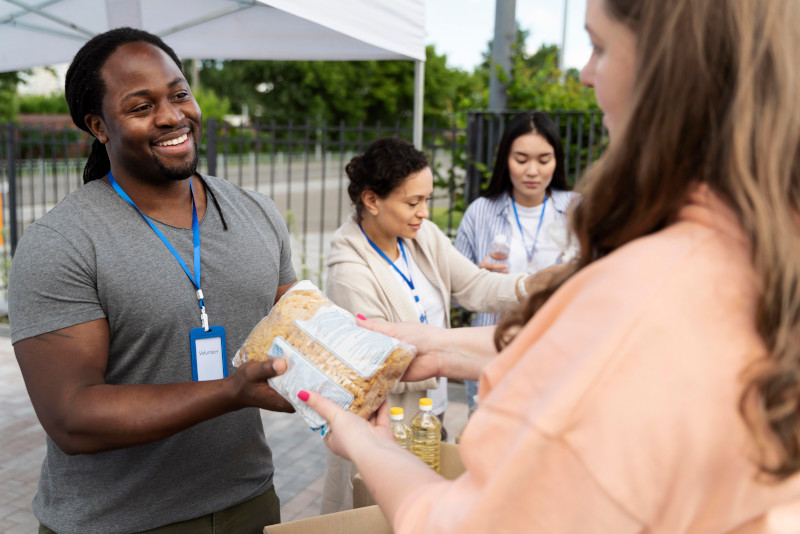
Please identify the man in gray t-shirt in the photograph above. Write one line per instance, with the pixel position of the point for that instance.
(123, 357)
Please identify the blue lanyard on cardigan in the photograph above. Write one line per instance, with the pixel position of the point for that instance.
(519, 225)
(195, 240)
(423, 317)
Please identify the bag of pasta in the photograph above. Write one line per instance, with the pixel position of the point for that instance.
(326, 352)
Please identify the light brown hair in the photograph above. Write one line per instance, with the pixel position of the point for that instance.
(714, 102)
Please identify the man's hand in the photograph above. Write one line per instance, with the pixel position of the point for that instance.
(252, 389)
(64, 373)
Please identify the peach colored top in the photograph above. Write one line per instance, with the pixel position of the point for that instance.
(615, 409)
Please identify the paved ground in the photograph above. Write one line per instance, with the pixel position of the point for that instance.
(298, 452)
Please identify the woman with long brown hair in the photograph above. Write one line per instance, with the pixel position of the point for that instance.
(653, 385)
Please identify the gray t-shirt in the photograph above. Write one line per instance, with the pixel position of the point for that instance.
(93, 256)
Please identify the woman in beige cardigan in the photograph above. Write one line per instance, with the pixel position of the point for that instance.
(389, 262)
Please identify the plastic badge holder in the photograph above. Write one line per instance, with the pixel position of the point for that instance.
(325, 352)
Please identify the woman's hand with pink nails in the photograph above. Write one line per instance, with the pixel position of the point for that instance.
(347, 431)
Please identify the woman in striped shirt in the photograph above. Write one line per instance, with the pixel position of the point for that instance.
(526, 201)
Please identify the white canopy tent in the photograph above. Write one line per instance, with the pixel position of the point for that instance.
(47, 32)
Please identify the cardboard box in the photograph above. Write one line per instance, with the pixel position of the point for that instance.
(366, 517)
(368, 520)
(450, 467)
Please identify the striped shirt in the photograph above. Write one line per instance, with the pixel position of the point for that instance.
(487, 217)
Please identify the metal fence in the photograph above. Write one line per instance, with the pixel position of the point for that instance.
(299, 165)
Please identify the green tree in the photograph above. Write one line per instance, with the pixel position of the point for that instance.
(9, 100)
(539, 84)
(449, 92)
(51, 104)
(334, 91)
(535, 81)
(211, 104)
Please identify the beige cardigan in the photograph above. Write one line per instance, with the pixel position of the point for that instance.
(360, 281)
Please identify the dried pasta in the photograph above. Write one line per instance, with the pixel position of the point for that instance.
(327, 352)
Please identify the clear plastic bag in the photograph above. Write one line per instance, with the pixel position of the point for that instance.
(326, 352)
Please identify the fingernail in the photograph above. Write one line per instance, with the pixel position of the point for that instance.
(361, 317)
(302, 395)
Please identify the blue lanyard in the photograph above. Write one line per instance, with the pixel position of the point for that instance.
(408, 279)
(423, 317)
(195, 240)
(519, 225)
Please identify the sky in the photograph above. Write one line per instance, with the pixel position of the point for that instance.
(461, 29)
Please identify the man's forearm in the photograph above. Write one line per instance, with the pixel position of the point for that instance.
(106, 417)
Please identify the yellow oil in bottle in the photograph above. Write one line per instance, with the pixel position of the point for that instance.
(426, 431)
(402, 432)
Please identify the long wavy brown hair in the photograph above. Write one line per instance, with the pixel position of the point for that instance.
(716, 101)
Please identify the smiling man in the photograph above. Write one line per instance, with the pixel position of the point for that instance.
(127, 302)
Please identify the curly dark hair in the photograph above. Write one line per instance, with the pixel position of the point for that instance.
(84, 88)
(383, 167)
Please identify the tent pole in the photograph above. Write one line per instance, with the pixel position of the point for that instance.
(419, 94)
(504, 36)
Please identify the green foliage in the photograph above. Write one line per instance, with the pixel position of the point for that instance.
(535, 82)
(55, 103)
(382, 92)
(335, 91)
(9, 101)
(52, 104)
(448, 92)
(211, 103)
(446, 219)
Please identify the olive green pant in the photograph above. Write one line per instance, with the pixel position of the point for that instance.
(250, 517)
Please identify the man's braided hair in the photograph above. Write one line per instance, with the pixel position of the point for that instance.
(84, 88)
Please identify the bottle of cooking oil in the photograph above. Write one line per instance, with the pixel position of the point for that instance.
(402, 432)
(426, 431)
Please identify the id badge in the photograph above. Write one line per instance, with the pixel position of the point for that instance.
(208, 354)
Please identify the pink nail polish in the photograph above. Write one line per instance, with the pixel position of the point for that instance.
(361, 317)
(302, 395)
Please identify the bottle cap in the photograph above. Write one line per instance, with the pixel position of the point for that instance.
(396, 413)
(425, 404)
(500, 238)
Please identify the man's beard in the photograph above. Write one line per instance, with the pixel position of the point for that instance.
(180, 172)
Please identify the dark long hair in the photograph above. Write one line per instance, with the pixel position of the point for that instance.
(524, 123)
(84, 88)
